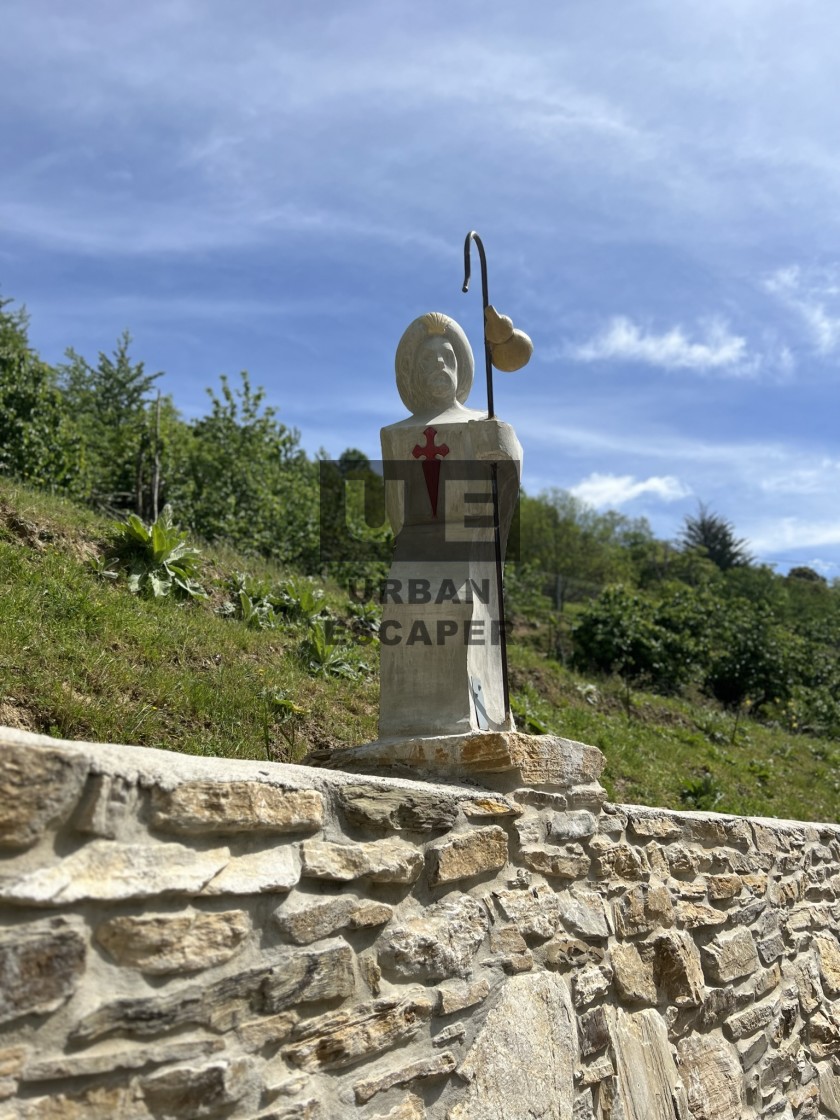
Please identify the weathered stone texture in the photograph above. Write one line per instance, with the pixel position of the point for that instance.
(438, 944)
(381, 861)
(38, 790)
(533, 1026)
(371, 806)
(195, 808)
(730, 956)
(648, 1085)
(438, 1066)
(465, 856)
(107, 871)
(40, 966)
(712, 1077)
(345, 1038)
(160, 944)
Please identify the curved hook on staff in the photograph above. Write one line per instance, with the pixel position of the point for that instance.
(485, 299)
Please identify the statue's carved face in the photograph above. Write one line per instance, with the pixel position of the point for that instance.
(438, 368)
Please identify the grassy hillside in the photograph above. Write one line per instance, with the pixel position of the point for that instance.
(82, 657)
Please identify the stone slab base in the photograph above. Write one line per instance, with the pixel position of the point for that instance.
(502, 760)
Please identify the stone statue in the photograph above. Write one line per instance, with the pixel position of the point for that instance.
(441, 667)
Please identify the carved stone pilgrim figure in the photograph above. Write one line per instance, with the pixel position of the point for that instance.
(441, 667)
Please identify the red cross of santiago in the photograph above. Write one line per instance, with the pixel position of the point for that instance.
(431, 457)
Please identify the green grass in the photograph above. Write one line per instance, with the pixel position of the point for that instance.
(82, 658)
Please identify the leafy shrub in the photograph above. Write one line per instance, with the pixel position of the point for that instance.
(158, 558)
(327, 658)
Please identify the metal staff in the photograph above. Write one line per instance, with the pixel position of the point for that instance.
(494, 479)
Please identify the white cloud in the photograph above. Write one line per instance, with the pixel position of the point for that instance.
(815, 296)
(788, 533)
(612, 490)
(623, 340)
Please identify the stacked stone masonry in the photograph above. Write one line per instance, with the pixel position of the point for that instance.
(188, 937)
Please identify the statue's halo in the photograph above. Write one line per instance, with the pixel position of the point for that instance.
(409, 378)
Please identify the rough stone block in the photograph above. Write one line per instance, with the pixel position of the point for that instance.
(345, 1038)
(124, 1057)
(571, 863)
(40, 967)
(39, 789)
(828, 958)
(196, 1091)
(620, 861)
(533, 1026)
(653, 825)
(164, 943)
(437, 944)
(753, 1019)
(535, 913)
(202, 807)
(593, 1031)
(582, 912)
(394, 808)
(490, 805)
(712, 1077)
(643, 908)
(578, 824)
(409, 1109)
(382, 861)
(438, 1066)
(647, 1084)
(676, 968)
(730, 956)
(458, 995)
(307, 918)
(632, 976)
(107, 871)
(273, 871)
(694, 915)
(467, 855)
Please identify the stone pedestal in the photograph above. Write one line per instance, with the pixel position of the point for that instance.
(499, 760)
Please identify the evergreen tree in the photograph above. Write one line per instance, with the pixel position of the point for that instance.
(714, 537)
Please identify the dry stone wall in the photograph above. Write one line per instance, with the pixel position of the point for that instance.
(186, 937)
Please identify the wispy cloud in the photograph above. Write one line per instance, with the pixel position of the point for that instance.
(815, 296)
(610, 490)
(716, 350)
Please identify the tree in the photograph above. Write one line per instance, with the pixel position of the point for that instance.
(244, 479)
(111, 402)
(713, 536)
(38, 440)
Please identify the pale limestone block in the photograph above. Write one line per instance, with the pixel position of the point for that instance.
(344, 1038)
(643, 908)
(653, 825)
(711, 1073)
(382, 861)
(570, 953)
(308, 918)
(589, 984)
(694, 915)
(648, 1085)
(730, 956)
(568, 863)
(676, 968)
(438, 1066)
(578, 824)
(533, 1027)
(41, 965)
(467, 855)
(105, 870)
(582, 912)
(620, 861)
(829, 1081)
(106, 803)
(371, 806)
(163, 943)
(38, 790)
(439, 943)
(632, 976)
(753, 1019)
(828, 958)
(457, 995)
(200, 807)
(490, 805)
(113, 1056)
(273, 871)
(535, 912)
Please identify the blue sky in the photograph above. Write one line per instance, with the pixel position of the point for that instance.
(282, 187)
